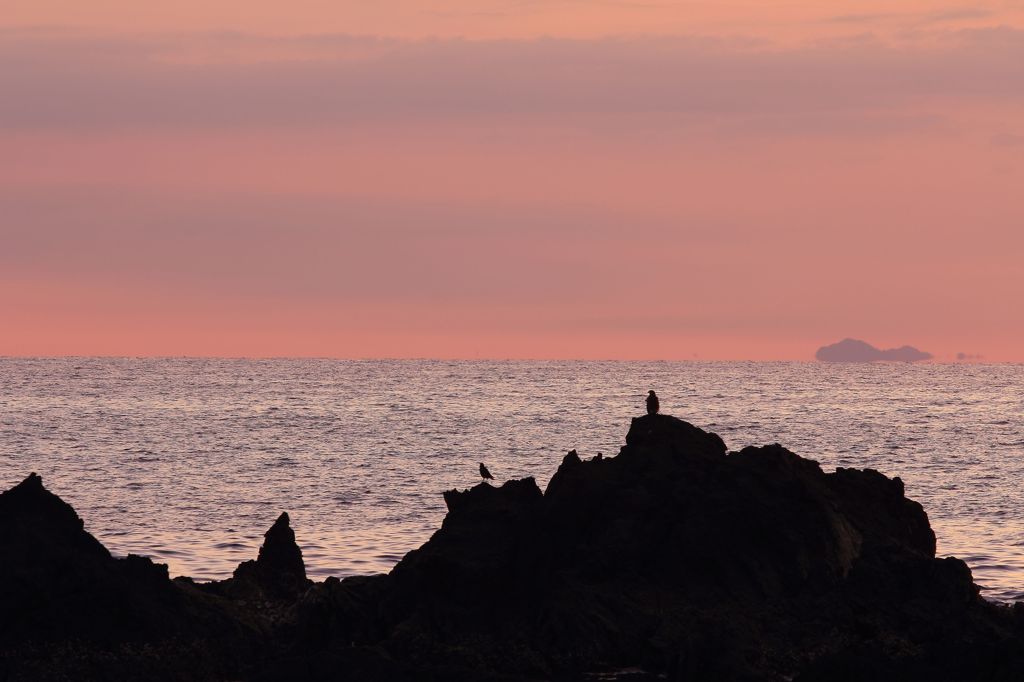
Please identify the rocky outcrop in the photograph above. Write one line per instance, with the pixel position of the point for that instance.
(277, 573)
(57, 582)
(675, 556)
(681, 558)
(69, 610)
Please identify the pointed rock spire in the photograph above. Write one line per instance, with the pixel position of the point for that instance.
(278, 570)
(280, 554)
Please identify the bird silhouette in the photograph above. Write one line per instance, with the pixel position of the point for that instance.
(484, 473)
(653, 405)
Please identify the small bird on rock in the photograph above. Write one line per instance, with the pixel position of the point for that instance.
(652, 403)
(484, 473)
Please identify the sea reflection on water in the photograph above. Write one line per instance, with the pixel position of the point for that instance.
(190, 460)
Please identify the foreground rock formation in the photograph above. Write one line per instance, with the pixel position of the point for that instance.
(674, 557)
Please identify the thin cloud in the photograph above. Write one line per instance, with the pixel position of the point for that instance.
(920, 19)
(88, 83)
(1007, 140)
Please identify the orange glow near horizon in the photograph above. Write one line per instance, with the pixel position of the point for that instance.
(504, 180)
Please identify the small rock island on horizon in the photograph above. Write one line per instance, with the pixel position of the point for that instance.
(855, 350)
(675, 557)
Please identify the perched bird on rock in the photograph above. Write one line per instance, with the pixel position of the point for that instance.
(652, 403)
(484, 473)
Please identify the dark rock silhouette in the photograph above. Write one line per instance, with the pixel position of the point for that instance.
(57, 581)
(675, 556)
(854, 350)
(69, 610)
(278, 571)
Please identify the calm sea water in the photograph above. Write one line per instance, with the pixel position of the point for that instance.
(189, 461)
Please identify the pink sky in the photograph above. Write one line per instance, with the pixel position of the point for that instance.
(509, 178)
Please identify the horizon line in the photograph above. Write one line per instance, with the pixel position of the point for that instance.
(812, 360)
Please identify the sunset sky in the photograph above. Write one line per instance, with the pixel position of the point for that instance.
(510, 178)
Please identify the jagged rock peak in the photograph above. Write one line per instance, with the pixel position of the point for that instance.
(280, 553)
(278, 572)
(483, 497)
(41, 511)
(653, 430)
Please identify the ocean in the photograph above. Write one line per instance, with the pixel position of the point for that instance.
(189, 461)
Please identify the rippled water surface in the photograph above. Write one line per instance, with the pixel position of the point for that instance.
(190, 460)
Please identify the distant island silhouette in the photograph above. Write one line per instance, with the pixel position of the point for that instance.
(855, 350)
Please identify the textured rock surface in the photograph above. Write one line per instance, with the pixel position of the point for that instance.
(675, 556)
